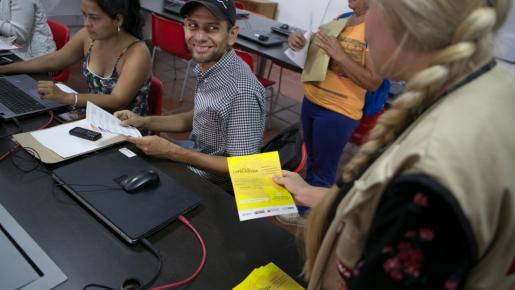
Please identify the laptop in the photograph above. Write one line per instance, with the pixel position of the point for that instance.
(283, 28)
(19, 97)
(264, 38)
(94, 182)
(24, 265)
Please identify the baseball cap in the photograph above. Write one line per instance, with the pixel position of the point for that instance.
(221, 9)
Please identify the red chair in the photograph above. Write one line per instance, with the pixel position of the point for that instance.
(303, 159)
(360, 134)
(155, 98)
(267, 84)
(61, 34)
(239, 5)
(168, 36)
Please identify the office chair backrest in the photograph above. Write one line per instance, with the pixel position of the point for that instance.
(61, 34)
(247, 58)
(155, 97)
(292, 152)
(239, 5)
(169, 36)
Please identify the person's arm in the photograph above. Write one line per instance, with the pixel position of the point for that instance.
(21, 23)
(419, 239)
(136, 69)
(176, 123)
(161, 148)
(296, 41)
(342, 64)
(70, 53)
(302, 192)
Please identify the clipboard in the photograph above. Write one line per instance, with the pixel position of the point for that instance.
(48, 155)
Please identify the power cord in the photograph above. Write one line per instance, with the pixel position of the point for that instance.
(17, 123)
(155, 252)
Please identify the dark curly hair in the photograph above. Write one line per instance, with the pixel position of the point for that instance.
(129, 9)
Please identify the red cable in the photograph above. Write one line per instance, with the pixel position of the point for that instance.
(8, 152)
(199, 238)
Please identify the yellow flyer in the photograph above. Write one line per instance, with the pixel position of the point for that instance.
(257, 195)
(269, 277)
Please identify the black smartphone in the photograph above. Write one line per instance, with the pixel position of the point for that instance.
(85, 133)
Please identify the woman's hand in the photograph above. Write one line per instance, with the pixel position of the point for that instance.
(329, 44)
(296, 41)
(303, 193)
(49, 91)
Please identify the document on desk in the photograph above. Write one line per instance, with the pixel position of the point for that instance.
(299, 57)
(257, 195)
(268, 277)
(106, 122)
(6, 43)
(59, 140)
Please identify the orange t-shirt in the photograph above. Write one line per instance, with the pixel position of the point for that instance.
(337, 93)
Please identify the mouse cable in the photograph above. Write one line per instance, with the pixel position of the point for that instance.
(183, 220)
(15, 147)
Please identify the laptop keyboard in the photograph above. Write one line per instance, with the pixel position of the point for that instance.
(17, 100)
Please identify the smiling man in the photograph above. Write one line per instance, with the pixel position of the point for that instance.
(228, 118)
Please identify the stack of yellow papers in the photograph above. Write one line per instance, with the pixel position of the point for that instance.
(269, 277)
(257, 195)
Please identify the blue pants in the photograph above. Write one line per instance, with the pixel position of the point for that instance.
(325, 135)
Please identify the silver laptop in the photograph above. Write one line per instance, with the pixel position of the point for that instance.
(19, 97)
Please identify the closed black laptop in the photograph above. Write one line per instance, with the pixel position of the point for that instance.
(19, 97)
(94, 181)
(262, 37)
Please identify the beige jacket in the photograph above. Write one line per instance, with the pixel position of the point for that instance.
(467, 143)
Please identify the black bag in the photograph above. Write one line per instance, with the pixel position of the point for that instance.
(289, 145)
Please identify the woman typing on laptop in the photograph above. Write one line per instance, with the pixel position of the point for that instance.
(116, 62)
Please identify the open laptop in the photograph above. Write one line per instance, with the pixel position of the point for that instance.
(94, 181)
(264, 38)
(19, 97)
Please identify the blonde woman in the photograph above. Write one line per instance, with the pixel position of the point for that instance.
(429, 201)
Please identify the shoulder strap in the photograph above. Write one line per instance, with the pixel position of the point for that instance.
(124, 51)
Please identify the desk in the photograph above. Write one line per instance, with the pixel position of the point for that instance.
(276, 53)
(87, 251)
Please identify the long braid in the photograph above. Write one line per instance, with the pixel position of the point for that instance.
(465, 48)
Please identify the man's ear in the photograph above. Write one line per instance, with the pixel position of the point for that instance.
(233, 34)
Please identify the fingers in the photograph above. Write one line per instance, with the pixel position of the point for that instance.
(296, 41)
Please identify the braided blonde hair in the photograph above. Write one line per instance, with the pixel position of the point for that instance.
(461, 32)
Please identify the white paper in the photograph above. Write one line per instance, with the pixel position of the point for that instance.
(65, 88)
(299, 57)
(106, 122)
(59, 140)
(6, 43)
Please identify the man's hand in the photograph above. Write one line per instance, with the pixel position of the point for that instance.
(49, 91)
(157, 147)
(296, 41)
(129, 118)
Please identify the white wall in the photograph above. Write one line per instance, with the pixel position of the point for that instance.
(301, 13)
(505, 42)
(66, 11)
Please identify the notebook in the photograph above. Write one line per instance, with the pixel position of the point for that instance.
(262, 38)
(19, 97)
(94, 182)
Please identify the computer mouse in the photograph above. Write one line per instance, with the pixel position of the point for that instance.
(263, 37)
(284, 26)
(140, 180)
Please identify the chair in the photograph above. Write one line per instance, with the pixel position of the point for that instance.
(168, 36)
(267, 84)
(367, 123)
(61, 34)
(239, 5)
(292, 151)
(155, 98)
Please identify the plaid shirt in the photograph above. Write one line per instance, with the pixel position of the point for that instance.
(229, 113)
